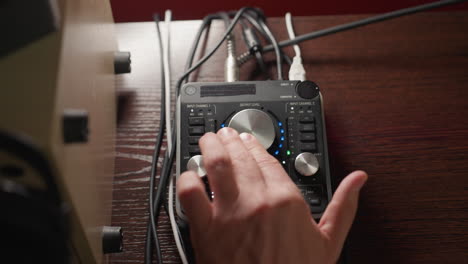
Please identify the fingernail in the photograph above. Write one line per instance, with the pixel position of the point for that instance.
(362, 181)
(226, 131)
(245, 137)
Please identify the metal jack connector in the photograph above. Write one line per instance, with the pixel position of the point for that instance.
(231, 69)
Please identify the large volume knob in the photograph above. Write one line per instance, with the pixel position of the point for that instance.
(255, 122)
(195, 164)
(306, 164)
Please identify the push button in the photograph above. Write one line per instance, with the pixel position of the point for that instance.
(308, 147)
(306, 119)
(193, 140)
(198, 130)
(312, 194)
(307, 137)
(196, 121)
(194, 150)
(307, 128)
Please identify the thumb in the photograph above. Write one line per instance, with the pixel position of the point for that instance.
(339, 215)
(194, 200)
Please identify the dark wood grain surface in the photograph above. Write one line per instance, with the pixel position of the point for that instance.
(396, 103)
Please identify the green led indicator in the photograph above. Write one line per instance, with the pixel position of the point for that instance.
(288, 152)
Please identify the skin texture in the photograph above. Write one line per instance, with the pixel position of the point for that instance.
(258, 215)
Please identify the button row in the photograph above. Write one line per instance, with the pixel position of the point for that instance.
(306, 135)
(196, 130)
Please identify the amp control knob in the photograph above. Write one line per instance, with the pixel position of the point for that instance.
(306, 164)
(195, 164)
(255, 122)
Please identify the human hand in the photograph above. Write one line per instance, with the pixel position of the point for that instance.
(258, 215)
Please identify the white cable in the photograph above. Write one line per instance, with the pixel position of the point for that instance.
(291, 34)
(167, 77)
(297, 71)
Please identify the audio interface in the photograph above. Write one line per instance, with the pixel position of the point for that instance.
(286, 117)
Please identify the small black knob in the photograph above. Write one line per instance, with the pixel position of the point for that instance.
(307, 89)
(75, 126)
(112, 239)
(122, 62)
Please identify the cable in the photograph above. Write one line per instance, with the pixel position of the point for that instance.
(253, 45)
(259, 23)
(279, 64)
(292, 35)
(207, 56)
(296, 71)
(168, 160)
(167, 71)
(167, 76)
(156, 200)
(151, 229)
(205, 23)
(355, 24)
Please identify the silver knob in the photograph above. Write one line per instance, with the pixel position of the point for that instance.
(255, 122)
(306, 164)
(195, 164)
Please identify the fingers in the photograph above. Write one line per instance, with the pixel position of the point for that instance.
(244, 165)
(270, 167)
(339, 215)
(217, 163)
(192, 195)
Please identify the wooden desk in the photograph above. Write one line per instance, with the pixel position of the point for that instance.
(396, 103)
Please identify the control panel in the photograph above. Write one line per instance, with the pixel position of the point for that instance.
(286, 117)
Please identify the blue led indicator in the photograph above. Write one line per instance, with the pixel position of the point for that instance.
(282, 138)
(223, 125)
(280, 124)
(280, 145)
(282, 131)
(277, 152)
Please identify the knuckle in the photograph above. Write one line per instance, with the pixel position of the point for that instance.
(265, 161)
(288, 199)
(206, 137)
(216, 162)
(260, 211)
(186, 185)
(241, 156)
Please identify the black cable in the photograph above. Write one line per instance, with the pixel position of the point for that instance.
(158, 199)
(360, 23)
(205, 23)
(206, 57)
(225, 17)
(151, 229)
(253, 45)
(163, 182)
(279, 64)
(168, 160)
(257, 20)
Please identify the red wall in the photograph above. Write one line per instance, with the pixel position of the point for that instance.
(142, 10)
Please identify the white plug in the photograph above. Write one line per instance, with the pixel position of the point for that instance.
(297, 71)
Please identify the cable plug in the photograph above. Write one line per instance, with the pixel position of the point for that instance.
(231, 69)
(297, 71)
